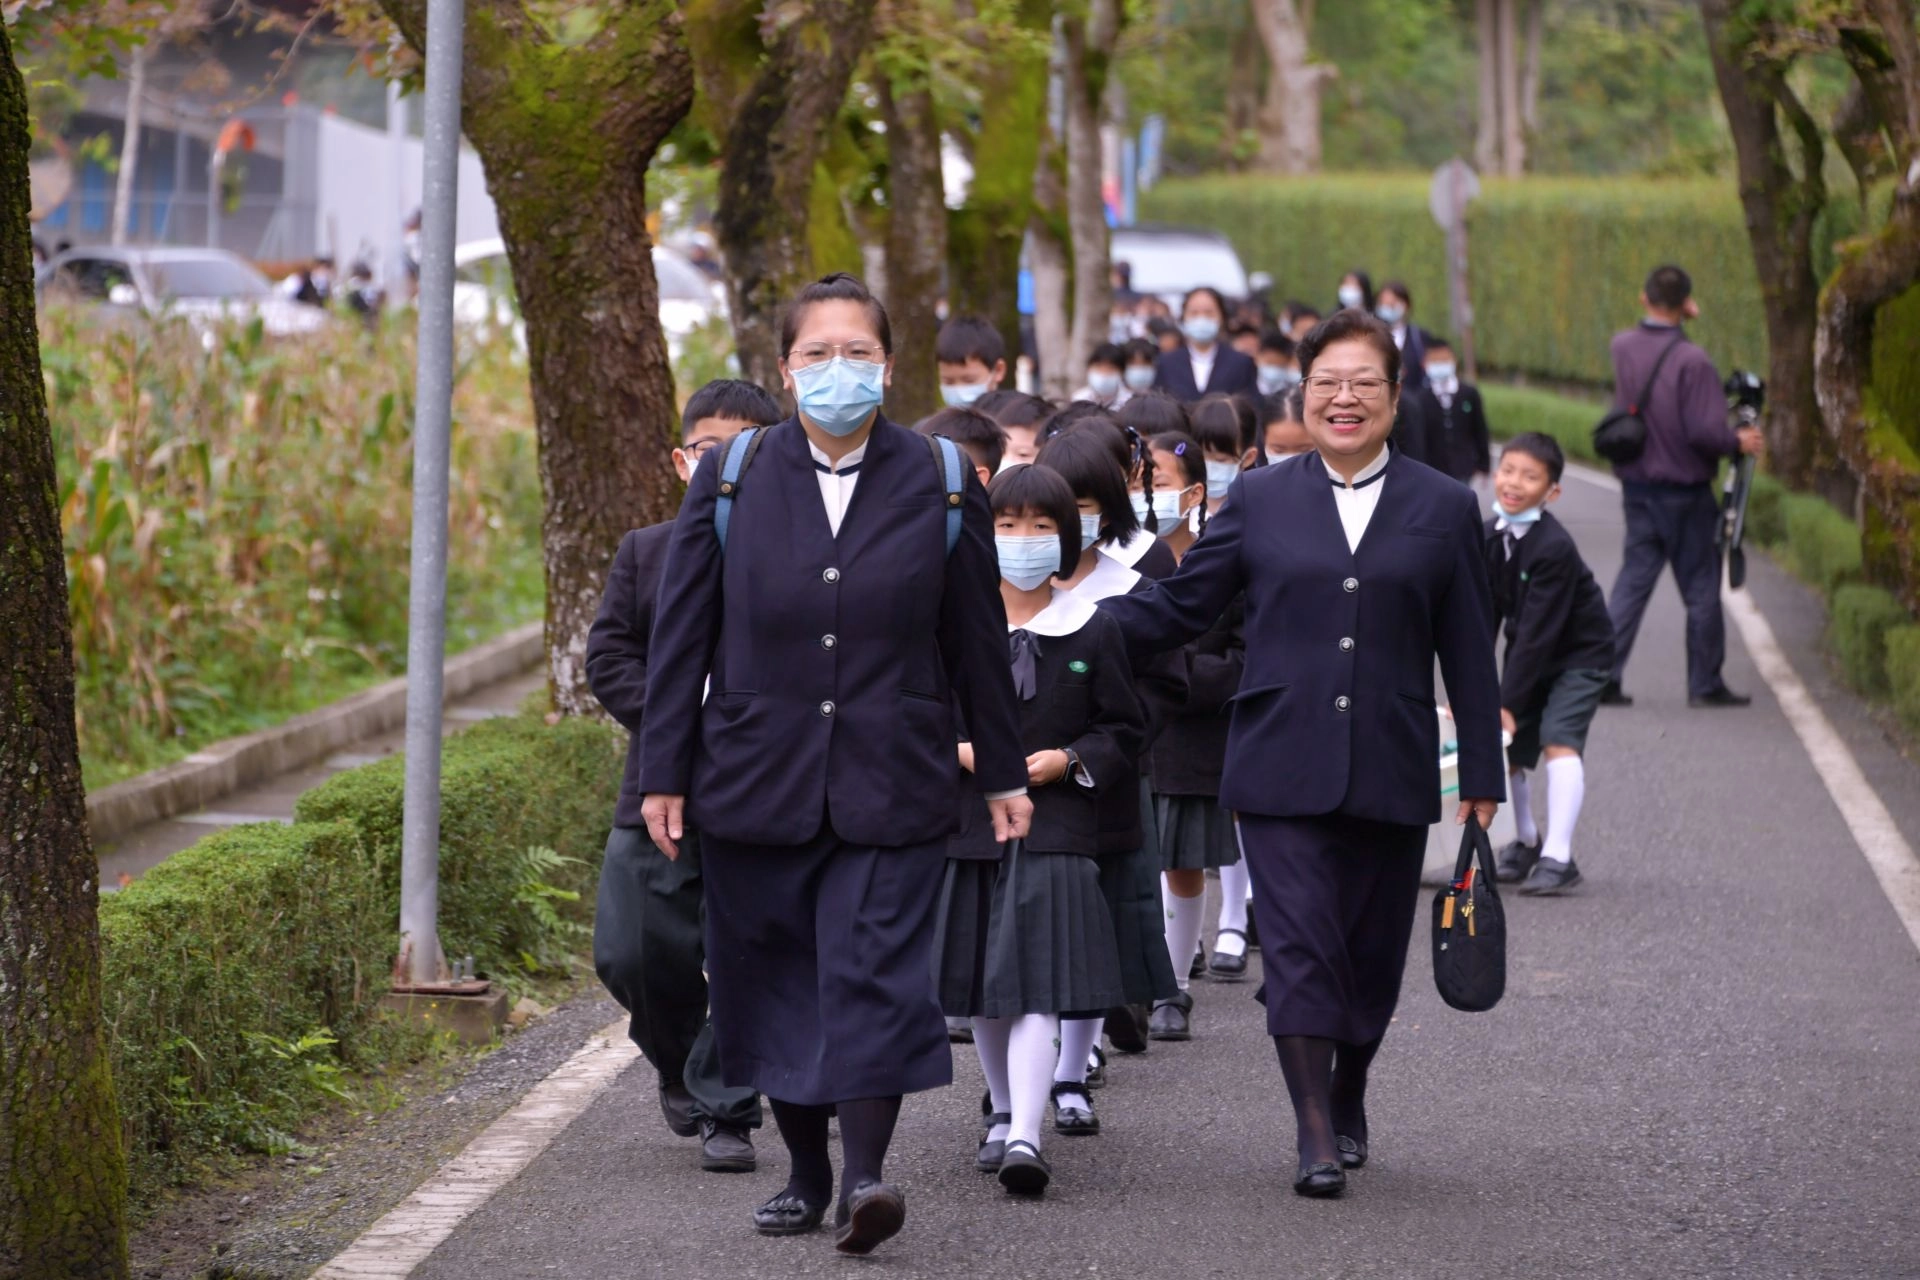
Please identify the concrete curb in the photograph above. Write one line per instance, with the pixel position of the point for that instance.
(225, 767)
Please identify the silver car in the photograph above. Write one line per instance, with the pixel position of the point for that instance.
(202, 286)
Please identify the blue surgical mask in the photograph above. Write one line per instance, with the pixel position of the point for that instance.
(1139, 376)
(1391, 312)
(1027, 562)
(1201, 329)
(1530, 516)
(1275, 378)
(960, 395)
(1104, 385)
(1441, 371)
(1219, 476)
(1089, 529)
(1351, 296)
(840, 394)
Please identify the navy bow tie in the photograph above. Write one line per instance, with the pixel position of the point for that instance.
(1022, 648)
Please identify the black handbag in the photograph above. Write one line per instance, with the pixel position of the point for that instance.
(1621, 436)
(1470, 929)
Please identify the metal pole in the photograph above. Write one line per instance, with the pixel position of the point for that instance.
(393, 270)
(433, 420)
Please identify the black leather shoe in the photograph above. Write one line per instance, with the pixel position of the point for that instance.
(1198, 969)
(1025, 1172)
(1550, 877)
(1074, 1121)
(788, 1215)
(1253, 932)
(987, 1159)
(960, 1030)
(1226, 967)
(1097, 1069)
(1614, 696)
(1353, 1154)
(1322, 1181)
(1515, 859)
(1127, 1029)
(676, 1104)
(871, 1213)
(1172, 1019)
(724, 1149)
(1721, 697)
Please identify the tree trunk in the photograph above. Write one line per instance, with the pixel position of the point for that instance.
(1089, 44)
(1781, 207)
(1246, 73)
(1047, 262)
(565, 136)
(123, 183)
(1513, 138)
(1486, 139)
(1290, 113)
(63, 1173)
(777, 92)
(916, 244)
(1530, 67)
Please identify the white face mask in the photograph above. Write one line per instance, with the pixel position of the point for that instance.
(1104, 385)
(1441, 371)
(1089, 529)
(1275, 378)
(1220, 476)
(1164, 504)
(1350, 295)
(1139, 376)
(959, 396)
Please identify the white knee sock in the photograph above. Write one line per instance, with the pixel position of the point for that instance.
(1030, 1059)
(1566, 791)
(1185, 919)
(1235, 886)
(991, 1039)
(1077, 1038)
(1521, 798)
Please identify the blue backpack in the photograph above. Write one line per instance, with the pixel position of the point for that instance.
(740, 451)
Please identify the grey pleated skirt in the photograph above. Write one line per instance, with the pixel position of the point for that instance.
(1030, 933)
(1196, 834)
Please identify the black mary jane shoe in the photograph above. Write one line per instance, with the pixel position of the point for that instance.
(1198, 969)
(1172, 1019)
(1074, 1121)
(788, 1215)
(1097, 1069)
(1322, 1181)
(1126, 1028)
(872, 1212)
(988, 1158)
(1227, 967)
(1025, 1172)
(1353, 1154)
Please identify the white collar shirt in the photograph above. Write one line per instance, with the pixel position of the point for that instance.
(1356, 500)
(1445, 391)
(837, 480)
(1202, 366)
(1510, 532)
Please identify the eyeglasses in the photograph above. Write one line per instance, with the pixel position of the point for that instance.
(821, 352)
(1324, 388)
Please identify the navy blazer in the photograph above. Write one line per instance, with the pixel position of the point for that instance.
(1233, 373)
(617, 649)
(834, 661)
(1335, 712)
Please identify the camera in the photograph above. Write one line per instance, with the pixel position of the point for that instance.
(1748, 395)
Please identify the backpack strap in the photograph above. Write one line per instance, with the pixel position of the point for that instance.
(733, 465)
(1638, 406)
(953, 478)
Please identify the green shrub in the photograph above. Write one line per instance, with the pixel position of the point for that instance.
(1903, 673)
(507, 787)
(1766, 517)
(1861, 618)
(229, 972)
(1822, 546)
(1568, 419)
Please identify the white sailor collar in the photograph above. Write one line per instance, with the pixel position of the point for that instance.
(1130, 552)
(1110, 577)
(1065, 614)
(1365, 473)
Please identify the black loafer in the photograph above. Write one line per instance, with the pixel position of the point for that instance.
(1721, 697)
(988, 1158)
(960, 1030)
(676, 1104)
(1353, 1154)
(1551, 876)
(1198, 969)
(873, 1212)
(1515, 859)
(1227, 967)
(1613, 696)
(1097, 1069)
(1074, 1121)
(1127, 1029)
(724, 1149)
(1025, 1172)
(1322, 1181)
(788, 1215)
(1172, 1019)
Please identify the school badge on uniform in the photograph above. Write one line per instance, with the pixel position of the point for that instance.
(1078, 667)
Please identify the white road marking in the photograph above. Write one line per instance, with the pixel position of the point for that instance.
(392, 1247)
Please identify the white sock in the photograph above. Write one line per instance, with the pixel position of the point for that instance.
(1030, 1059)
(991, 1037)
(1566, 791)
(1519, 795)
(1077, 1038)
(1236, 886)
(1185, 919)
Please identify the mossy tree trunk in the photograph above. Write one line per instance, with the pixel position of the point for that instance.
(63, 1175)
(1089, 39)
(565, 132)
(916, 244)
(774, 77)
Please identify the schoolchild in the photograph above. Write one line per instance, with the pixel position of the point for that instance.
(1024, 934)
(1106, 379)
(1456, 416)
(1277, 369)
(647, 947)
(1141, 549)
(1558, 660)
(1219, 425)
(1138, 358)
(1152, 412)
(983, 440)
(972, 357)
(1020, 416)
(1282, 431)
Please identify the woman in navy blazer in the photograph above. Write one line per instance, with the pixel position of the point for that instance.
(1359, 568)
(1205, 365)
(833, 639)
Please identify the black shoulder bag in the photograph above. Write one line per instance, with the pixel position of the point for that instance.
(1470, 929)
(1621, 436)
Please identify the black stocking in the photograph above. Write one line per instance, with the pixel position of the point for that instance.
(1348, 1098)
(866, 1130)
(804, 1130)
(1307, 1063)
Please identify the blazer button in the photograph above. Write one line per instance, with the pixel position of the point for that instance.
(1351, 584)
(827, 642)
(1343, 702)
(826, 708)
(1346, 644)
(831, 575)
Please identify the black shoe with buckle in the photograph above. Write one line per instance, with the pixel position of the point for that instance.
(1353, 1152)
(676, 1104)
(1072, 1119)
(1198, 969)
(871, 1213)
(1127, 1029)
(1551, 876)
(1226, 966)
(725, 1149)
(1025, 1172)
(1323, 1181)
(1172, 1019)
(1097, 1069)
(987, 1159)
(788, 1215)
(1515, 859)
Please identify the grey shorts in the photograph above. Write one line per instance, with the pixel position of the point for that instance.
(1559, 719)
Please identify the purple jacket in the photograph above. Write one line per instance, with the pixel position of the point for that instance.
(1686, 415)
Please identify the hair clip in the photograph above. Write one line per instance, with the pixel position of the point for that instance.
(1180, 450)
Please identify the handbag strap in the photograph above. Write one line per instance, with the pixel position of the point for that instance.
(1653, 377)
(1474, 843)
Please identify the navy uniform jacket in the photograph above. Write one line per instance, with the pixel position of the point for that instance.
(617, 649)
(1556, 619)
(1335, 712)
(833, 661)
(1234, 373)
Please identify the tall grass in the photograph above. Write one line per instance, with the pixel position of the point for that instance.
(237, 513)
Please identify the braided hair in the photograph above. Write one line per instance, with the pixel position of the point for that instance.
(1190, 461)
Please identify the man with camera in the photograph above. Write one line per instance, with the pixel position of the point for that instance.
(1672, 516)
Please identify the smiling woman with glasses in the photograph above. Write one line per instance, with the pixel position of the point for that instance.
(1360, 567)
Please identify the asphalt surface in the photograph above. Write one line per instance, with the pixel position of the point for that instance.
(1707, 1064)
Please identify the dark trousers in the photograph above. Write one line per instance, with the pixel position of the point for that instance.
(648, 951)
(1671, 524)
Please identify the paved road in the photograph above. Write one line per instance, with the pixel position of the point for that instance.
(1707, 1064)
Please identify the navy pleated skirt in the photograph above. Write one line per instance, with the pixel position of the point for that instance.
(1196, 834)
(818, 958)
(1130, 883)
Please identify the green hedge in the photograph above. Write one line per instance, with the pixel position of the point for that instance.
(1861, 618)
(1512, 410)
(1903, 674)
(1557, 263)
(1822, 546)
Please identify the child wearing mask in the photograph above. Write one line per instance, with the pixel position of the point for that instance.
(1220, 423)
(1106, 382)
(1395, 307)
(1276, 368)
(1283, 429)
(1456, 417)
(1020, 417)
(1355, 292)
(1140, 357)
(1024, 936)
(972, 358)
